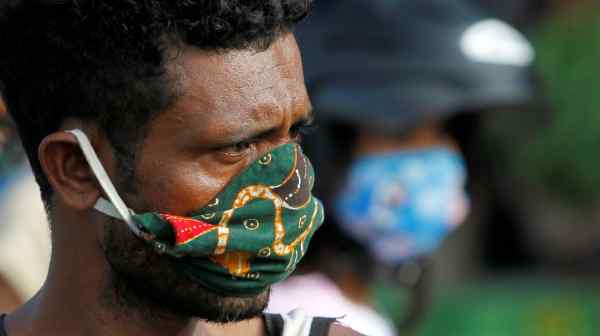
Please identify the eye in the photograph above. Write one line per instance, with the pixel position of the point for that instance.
(301, 129)
(237, 149)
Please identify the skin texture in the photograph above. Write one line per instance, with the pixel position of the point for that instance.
(233, 107)
(429, 134)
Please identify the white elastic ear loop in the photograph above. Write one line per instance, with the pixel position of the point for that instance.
(116, 208)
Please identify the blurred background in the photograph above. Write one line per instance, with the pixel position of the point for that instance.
(386, 78)
(513, 114)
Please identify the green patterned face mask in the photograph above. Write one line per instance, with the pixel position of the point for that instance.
(252, 235)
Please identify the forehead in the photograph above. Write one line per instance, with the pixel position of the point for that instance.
(223, 91)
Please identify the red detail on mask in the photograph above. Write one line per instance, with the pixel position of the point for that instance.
(187, 229)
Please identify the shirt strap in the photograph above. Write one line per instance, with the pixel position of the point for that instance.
(273, 323)
(321, 326)
(297, 324)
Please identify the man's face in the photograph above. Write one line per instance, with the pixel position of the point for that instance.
(234, 107)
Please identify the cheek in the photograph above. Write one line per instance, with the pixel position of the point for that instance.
(180, 186)
(123, 250)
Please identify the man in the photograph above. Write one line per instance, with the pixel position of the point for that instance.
(162, 137)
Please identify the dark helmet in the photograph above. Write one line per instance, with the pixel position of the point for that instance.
(394, 63)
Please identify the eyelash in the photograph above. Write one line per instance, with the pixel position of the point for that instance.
(235, 152)
(302, 128)
(297, 132)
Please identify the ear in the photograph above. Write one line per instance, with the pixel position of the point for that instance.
(68, 172)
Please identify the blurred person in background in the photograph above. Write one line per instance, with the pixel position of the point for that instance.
(9, 297)
(540, 242)
(24, 236)
(397, 85)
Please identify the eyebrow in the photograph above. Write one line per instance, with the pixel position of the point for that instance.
(245, 133)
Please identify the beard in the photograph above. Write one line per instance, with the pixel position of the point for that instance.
(152, 285)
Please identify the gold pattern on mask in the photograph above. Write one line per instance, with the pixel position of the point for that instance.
(235, 261)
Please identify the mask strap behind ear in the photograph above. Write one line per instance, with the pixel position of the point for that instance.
(107, 208)
(116, 207)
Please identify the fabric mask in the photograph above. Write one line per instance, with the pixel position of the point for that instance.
(251, 235)
(403, 204)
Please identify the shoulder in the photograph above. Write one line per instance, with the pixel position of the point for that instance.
(340, 330)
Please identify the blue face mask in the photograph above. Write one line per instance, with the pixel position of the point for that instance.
(403, 204)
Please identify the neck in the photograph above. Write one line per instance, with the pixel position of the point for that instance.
(76, 298)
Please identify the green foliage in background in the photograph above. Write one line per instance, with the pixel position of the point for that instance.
(565, 156)
(516, 307)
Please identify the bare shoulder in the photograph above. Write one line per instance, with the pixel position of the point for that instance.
(339, 330)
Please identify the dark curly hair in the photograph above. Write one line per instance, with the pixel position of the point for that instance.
(104, 60)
